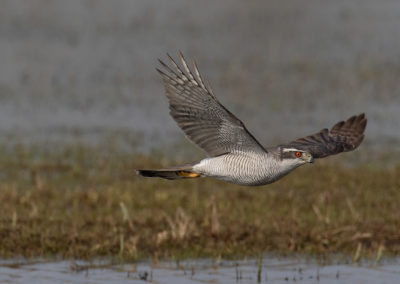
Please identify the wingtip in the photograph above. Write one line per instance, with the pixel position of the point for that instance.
(362, 121)
(361, 117)
(181, 57)
(162, 63)
(363, 124)
(161, 72)
(171, 59)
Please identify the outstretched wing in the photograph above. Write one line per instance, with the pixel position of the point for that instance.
(205, 121)
(344, 136)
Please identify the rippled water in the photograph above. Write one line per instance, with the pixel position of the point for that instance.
(273, 270)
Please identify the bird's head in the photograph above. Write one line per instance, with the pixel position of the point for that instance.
(296, 156)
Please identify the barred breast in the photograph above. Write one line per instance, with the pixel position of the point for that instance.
(244, 168)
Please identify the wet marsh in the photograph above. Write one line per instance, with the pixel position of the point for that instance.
(83, 202)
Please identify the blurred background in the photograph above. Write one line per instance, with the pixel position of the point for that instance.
(85, 70)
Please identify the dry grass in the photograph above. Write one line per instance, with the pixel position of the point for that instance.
(83, 202)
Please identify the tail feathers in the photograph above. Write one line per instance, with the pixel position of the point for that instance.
(172, 173)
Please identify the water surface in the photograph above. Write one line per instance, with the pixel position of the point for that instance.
(273, 270)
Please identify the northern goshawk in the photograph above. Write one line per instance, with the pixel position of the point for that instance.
(234, 154)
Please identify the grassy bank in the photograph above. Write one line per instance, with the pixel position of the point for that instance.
(85, 202)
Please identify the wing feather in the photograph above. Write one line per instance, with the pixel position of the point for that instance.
(344, 136)
(205, 121)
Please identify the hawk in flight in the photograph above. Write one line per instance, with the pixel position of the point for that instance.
(234, 154)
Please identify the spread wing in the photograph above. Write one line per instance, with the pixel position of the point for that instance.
(344, 136)
(205, 121)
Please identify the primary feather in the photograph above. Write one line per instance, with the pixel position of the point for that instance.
(344, 136)
(201, 116)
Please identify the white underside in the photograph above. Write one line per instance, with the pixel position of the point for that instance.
(246, 168)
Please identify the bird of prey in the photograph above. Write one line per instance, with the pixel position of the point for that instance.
(234, 155)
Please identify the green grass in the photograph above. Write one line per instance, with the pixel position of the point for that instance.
(87, 202)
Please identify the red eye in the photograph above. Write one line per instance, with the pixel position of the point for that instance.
(298, 154)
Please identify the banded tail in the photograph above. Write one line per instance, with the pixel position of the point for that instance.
(171, 173)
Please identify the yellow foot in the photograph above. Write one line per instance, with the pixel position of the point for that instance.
(188, 174)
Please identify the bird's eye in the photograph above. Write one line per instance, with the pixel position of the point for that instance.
(298, 154)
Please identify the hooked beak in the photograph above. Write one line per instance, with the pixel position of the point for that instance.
(310, 158)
